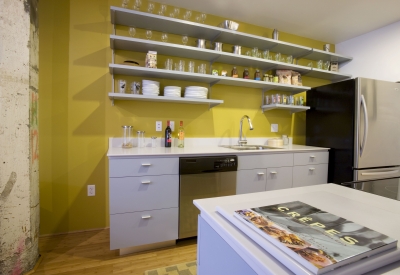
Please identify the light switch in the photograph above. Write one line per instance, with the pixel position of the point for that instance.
(172, 125)
(158, 126)
(274, 128)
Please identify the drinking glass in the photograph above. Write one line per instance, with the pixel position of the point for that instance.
(187, 15)
(184, 39)
(254, 52)
(149, 34)
(137, 4)
(265, 54)
(198, 19)
(326, 65)
(248, 53)
(191, 67)
(203, 17)
(176, 12)
(168, 64)
(150, 7)
(182, 65)
(162, 10)
(289, 59)
(164, 37)
(319, 64)
(132, 31)
(278, 57)
(310, 65)
(172, 15)
(125, 3)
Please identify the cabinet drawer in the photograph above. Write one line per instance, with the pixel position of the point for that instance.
(310, 175)
(279, 178)
(262, 161)
(144, 166)
(311, 158)
(132, 194)
(140, 228)
(250, 181)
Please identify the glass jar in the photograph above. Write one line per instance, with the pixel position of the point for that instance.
(278, 99)
(140, 139)
(235, 72)
(265, 78)
(154, 142)
(284, 99)
(257, 75)
(291, 100)
(267, 99)
(301, 101)
(127, 136)
(276, 79)
(246, 74)
(273, 99)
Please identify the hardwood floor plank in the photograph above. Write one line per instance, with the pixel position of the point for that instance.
(89, 253)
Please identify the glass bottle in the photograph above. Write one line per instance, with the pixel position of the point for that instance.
(168, 135)
(246, 73)
(181, 135)
(235, 72)
(257, 75)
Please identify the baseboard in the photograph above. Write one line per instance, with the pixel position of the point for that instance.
(73, 232)
(33, 270)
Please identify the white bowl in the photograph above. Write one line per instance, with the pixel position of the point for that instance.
(196, 88)
(147, 82)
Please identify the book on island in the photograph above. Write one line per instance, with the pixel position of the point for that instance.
(318, 240)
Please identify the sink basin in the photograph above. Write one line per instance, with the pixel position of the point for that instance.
(250, 147)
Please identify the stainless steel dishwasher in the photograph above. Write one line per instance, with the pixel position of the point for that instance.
(199, 178)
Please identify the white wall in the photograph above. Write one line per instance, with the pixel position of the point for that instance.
(375, 54)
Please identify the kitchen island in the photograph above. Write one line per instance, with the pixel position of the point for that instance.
(224, 249)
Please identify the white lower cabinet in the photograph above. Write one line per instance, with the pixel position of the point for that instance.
(279, 178)
(250, 181)
(310, 175)
(141, 228)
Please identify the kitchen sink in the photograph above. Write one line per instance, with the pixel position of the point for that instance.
(250, 147)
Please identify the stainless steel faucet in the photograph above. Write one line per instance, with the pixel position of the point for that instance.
(243, 141)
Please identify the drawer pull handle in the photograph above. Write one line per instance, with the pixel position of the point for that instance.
(260, 173)
(146, 217)
(274, 172)
(146, 164)
(146, 182)
(312, 157)
(311, 168)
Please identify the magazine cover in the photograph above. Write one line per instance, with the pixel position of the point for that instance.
(320, 240)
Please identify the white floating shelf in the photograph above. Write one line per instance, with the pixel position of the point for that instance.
(291, 108)
(329, 75)
(210, 102)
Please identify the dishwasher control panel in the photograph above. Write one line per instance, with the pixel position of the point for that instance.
(198, 165)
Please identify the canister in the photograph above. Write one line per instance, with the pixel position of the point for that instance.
(127, 136)
(140, 138)
(237, 49)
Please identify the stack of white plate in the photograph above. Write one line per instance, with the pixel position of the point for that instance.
(150, 87)
(173, 91)
(196, 92)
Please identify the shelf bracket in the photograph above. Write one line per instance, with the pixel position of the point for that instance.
(215, 37)
(213, 83)
(213, 60)
(303, 54)
(112, 101)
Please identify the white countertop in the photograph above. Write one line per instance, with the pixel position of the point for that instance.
(203, 148)
(378, 213)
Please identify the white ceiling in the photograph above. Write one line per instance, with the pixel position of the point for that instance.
(331, 21)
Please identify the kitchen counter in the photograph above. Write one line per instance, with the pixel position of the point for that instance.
(204, 148)
(239, 253)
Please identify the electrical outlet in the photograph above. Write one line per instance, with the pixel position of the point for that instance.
(158, 126)
(91, 190)
(172, 125)
(274, 128)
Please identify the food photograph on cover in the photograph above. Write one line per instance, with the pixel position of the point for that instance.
(319, 237)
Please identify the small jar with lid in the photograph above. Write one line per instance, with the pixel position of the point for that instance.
(284, 99)
(246, 74)
(268, 100)
(273, 99)
(265, 78)
(235, 72)
(257, 75)
(140, 139)
(278, 99)
(276, 79)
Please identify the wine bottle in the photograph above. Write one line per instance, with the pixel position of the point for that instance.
(181, 135)
(168, 135)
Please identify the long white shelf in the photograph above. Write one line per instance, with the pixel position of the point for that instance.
(127, 17)
(210, 102)
(291, 108)
(204, 78)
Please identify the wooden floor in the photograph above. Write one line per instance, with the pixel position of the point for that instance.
(89, 253)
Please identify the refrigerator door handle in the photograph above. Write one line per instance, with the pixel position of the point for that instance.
(364, 142)
(380, 173)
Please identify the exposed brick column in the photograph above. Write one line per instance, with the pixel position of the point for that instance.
(19, 163)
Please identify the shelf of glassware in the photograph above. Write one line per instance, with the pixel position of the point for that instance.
(127, 17)
(210, 102)
(117, 69)
(291, 108)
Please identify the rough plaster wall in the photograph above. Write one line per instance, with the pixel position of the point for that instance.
(19, 209)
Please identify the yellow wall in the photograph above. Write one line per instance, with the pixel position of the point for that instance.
(76, 117)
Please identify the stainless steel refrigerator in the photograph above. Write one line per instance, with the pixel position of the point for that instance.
(359, 119)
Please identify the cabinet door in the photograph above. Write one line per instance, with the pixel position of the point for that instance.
(279, 178)
(133, 194)
(310, 175)
(250, 181)
(311, 158)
